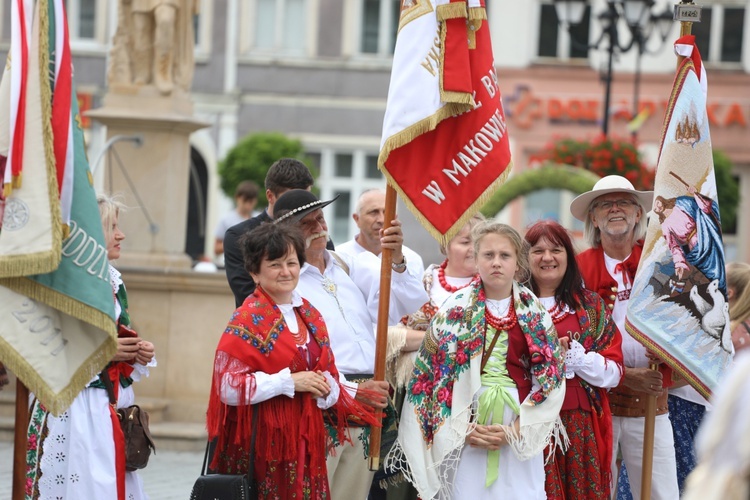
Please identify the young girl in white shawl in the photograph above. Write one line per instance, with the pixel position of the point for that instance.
(487, 387)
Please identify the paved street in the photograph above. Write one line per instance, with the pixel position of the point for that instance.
(169, 476)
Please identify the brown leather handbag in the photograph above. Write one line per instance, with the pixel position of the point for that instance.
(138, 440)
(134, 423)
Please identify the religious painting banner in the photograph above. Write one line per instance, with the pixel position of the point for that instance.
(678, 306)
(59, 327)
(445, 146)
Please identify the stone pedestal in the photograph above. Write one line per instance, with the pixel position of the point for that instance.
(159, 169)
(184, 314)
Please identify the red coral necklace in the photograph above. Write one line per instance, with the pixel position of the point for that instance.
(505, 323)
(558, 313)
(441, 278)
(300, 338)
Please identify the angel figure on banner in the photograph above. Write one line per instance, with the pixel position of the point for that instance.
(691, 225)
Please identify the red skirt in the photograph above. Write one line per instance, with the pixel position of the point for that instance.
(575, 474)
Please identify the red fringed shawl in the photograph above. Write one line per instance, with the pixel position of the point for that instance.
(291, 441)
(599, 334)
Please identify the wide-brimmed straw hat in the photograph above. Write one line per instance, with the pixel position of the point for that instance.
(579, 207)
(296, 203)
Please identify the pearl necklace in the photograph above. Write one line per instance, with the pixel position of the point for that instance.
(444, 283)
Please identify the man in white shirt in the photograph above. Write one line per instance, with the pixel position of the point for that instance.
(346, 291)
(615, 217)
(369, 217)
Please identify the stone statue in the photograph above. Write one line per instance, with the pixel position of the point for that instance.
(154, 44)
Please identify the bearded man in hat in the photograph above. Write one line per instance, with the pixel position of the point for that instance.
(346, 291)
(614, 214)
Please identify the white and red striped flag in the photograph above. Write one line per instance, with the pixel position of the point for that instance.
(55, 295)
(445, 145)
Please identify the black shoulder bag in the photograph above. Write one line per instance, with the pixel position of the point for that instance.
(228, 486)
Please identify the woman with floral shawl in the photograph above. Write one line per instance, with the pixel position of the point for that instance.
(487, 387)
(274, 358)
(593, 363)
(440, 281)
(456, 272)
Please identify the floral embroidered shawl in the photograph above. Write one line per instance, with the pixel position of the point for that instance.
(439, 411)
(599, 334)
(291, 439)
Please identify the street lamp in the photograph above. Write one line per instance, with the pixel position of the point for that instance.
(641, 23)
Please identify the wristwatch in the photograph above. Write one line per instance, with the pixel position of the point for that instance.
(399, 267)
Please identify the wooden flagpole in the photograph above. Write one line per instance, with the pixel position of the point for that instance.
(381, 341)
(19, 440)
(687, 13)
(648, 444)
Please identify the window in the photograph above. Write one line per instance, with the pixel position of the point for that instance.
(87, 23)
(202, 28)
(379, 25)
(702, 32)
(276, 27)
(341, 216)
(345, 172)
(556, 41)
(732, 34)
(343, 165)
(371, 167)
(720, 33)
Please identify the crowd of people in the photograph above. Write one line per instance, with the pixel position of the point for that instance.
(509, 371)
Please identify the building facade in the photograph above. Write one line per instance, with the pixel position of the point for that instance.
(318, 70)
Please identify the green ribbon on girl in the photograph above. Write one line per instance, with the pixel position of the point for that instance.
(493, 400)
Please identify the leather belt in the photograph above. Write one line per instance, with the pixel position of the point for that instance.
(625, 402)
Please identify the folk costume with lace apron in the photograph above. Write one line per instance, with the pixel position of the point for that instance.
(80, 454)
(449, 395)
(582, 471)
(291, 439)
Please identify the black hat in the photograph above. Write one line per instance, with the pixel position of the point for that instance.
(296, 203)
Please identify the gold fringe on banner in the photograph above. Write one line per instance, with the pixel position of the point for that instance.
(477, 13)
(30, 263)
(57, 403)
(423, 126)
(47, 132)
(671, 361)
(453, 10)
(443, 239)
(15, 183)
(62, 302)
(416, 11)
(465, 99)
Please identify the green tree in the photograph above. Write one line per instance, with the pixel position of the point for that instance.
(251, 158)
(728, 191)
